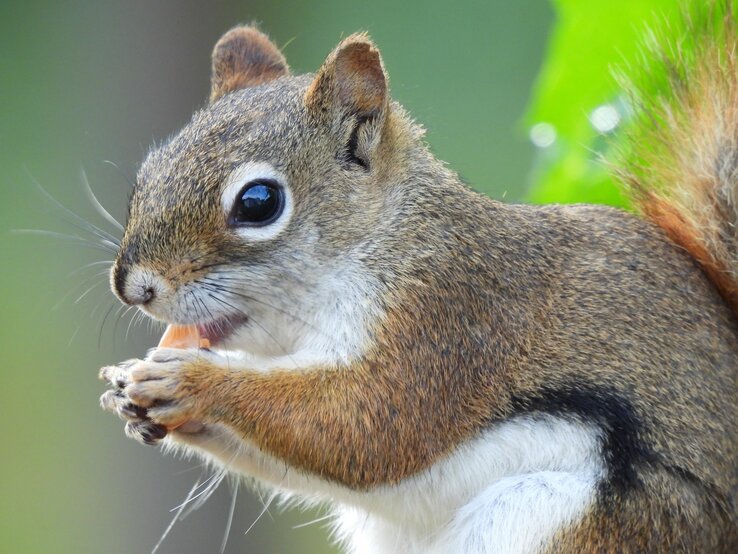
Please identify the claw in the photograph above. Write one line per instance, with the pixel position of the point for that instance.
(108, 401)
(117, 402)
(117, 375)
(132, 411)
(146, 395)
(145, 432)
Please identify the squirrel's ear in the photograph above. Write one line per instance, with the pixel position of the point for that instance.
(351, 79)
(244, 57)
(352, 84)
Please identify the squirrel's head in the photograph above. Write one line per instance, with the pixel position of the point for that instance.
(266, 197)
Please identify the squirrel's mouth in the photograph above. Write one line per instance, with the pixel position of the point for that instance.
(220, 329)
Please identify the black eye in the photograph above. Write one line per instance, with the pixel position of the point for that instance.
(259, 203)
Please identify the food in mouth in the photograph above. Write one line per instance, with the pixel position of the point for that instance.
(183, 336)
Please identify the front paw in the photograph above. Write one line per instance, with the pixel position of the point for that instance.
(138, 426)
(155, 393)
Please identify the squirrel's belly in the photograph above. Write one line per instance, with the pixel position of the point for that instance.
(508, 491)
(516, 515)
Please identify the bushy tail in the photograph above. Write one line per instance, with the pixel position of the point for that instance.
(680, 160)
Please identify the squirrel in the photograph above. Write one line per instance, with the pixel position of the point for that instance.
(450, 373)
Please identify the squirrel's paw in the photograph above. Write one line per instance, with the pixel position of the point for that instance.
(155, 395)
(160, 385)
(138, 426)
(116, 400)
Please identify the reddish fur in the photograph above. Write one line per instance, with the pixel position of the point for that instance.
(680, 230)
(392, 416)
(244, 57)
(352, 75)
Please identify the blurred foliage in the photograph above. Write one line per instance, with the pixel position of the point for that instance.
(590, 40)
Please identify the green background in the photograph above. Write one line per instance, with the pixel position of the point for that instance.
(85, 82)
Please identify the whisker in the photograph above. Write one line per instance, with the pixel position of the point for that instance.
(316, 520)
(120, 314)
(199, 498)
(74, 335)
(206, 266)
(130, 323)
(74, 288)
(204, 484)
(122, 173)
(176, 516)
(95, 307)
(285, 351)
(135, 320)
(90, 289)
(194, 306)
(263, 511)
(104, 245)
(205, 495)
(207, 310)
(261, 499)
(231, 512)
(231, 307)
(77, 220)
(98, 206)
(219, 287)
(87, 266)
(102, 326)
(213, 320)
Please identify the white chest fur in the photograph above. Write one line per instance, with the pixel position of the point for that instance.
(507, 491)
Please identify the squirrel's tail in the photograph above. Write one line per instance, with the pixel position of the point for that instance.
(680, 160)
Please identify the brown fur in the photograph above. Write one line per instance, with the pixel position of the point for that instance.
(654, 519)
(684, 233)
(244, 57)
(353, 76)
(490, 311)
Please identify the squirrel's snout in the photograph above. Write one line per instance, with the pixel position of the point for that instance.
(141, 295)
(134, 287)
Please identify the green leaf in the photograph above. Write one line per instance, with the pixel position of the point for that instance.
(589, 40)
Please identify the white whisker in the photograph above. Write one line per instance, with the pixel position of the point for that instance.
(98, 206)
(78, 221)
(90, 289)
(317, 520)
(205, 487)
(104, 244)
(176, 517)
(263, 511)
(87, 266)
(231, 512)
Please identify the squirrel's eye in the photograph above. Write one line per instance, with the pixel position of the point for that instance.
(258, 203)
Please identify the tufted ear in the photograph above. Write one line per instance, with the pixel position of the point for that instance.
(352, 85)
(244, 57)
(351, 80)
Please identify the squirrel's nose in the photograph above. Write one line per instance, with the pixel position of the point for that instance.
(146, 296)
(135, 287)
